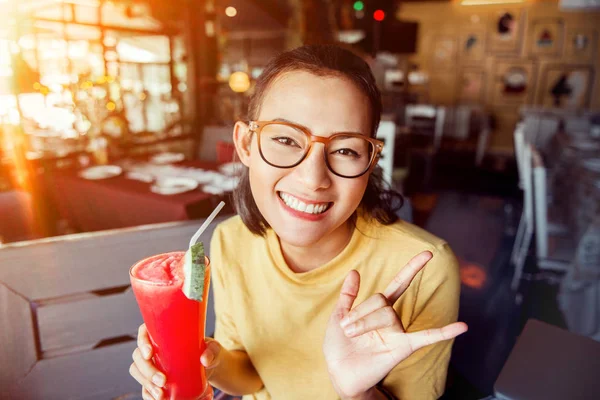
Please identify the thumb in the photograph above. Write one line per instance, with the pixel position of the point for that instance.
(210, 356)
(348, 294)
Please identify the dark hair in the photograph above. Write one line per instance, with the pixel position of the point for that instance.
(379, 201)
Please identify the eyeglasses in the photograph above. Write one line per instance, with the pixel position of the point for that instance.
(285, 145)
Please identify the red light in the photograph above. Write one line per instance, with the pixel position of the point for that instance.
(379, 15)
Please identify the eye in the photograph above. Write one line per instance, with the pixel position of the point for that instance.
(347, 152)
(286, 141)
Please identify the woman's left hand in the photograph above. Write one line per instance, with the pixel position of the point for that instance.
(362, 345)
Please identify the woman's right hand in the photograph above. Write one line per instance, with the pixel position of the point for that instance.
(143, 369)
(152, 380)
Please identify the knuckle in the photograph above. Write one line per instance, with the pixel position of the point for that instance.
(380, 299)
(390, 315)
(132, 369)
(359, 325)
(351, 315)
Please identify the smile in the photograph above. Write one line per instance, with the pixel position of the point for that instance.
(298, 205)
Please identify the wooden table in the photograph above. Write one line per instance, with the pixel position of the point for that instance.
(118, 202)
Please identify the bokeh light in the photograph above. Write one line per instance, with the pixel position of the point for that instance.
(231, 11)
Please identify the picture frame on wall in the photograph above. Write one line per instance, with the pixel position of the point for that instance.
(471, 86)
(444, 52)
(505, 31)
(472, 45)
(566, 86)
(513, 82)
(581, 44)
(547, 37)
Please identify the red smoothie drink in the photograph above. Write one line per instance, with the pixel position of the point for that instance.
(175, 323)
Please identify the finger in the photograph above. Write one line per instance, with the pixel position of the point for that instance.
(403, 278)
(143, 342)
(153, 390)
(424, 338)
(210, 357)
(382, 318)
(148, 370)
(371, 304)
(348, 293)
(146, 394)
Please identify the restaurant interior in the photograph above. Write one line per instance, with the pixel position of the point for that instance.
(116, 121)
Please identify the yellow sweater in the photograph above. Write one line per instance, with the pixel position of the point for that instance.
(279, 317)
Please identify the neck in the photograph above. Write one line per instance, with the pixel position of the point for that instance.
(307, 258)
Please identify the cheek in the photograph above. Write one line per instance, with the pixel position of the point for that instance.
(352, 191)
(263, 178)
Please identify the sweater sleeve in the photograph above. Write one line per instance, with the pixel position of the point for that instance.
(226, 332)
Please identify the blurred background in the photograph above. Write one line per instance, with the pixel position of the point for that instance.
(118, 114)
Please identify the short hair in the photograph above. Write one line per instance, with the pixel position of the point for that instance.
(379, 200)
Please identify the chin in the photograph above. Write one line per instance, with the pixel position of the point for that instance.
(299, 236)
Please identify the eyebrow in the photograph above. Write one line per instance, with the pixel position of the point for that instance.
(306, 128)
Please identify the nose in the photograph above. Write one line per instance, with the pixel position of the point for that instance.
(313, 171)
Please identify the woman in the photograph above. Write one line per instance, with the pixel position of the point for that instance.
(314, 226)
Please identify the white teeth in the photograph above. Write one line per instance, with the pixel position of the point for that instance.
(301, 206)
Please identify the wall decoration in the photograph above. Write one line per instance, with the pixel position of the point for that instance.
(444, 52)
(513, 82)
(472, 45)
(581, 44)
(505, 31)
(566, 86)
(471, 85)
(546, 37)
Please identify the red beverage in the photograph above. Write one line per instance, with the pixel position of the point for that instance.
(175, 324)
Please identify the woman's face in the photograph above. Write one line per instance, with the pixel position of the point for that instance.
(324, 105)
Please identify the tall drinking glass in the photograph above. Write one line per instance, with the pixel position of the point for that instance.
(175, 323)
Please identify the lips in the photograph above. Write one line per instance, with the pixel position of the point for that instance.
(310, 208)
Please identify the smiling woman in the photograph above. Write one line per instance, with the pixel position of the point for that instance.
(315, 226)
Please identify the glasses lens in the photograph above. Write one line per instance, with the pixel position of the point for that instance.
(349, 155)
(282, 145)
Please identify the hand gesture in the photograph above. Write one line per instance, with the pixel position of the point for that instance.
(362, 345)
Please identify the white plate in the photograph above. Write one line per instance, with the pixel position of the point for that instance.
(167, 158)
(101, 172)
(170, 186)
(232, 168)
(585, 145)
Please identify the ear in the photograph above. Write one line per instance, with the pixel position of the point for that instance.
(242, 138)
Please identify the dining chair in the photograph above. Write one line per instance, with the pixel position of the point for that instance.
(387, 133)
(426, 124)
(519, 145)
(18, 220)
(211, 135)
(483, 139)
(526, 224)
(558, 256)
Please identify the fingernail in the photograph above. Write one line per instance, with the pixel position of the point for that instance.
(349, 330)
(345, 321)
(208, 358)
(159, 380)
(146, 351)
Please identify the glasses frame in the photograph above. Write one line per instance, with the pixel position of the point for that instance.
(257, 126)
